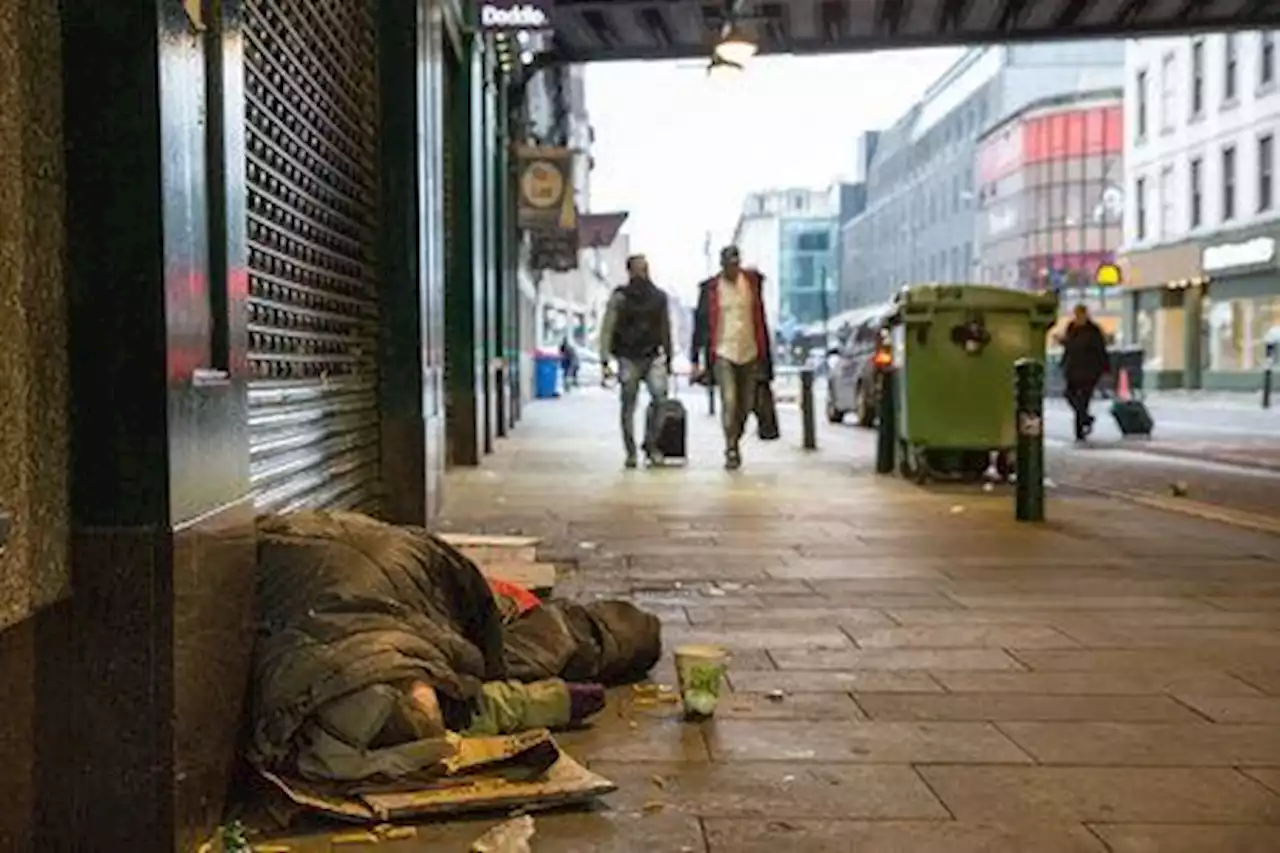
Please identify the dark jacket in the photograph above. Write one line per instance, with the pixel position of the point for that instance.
(639, 323)
(706, 318)
(1084, 353)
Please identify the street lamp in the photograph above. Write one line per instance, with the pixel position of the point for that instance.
(736, 45)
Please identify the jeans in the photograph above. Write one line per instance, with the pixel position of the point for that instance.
(652, 372)
(737, 398)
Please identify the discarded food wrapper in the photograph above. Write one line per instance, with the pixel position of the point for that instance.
(509, 837)
(776, 695)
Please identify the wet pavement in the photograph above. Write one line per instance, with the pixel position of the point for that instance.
(950, 680)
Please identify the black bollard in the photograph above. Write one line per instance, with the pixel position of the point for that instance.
(711, 399)
(1028, 395)
(1266, 387)
(887, 428)
(806, 409)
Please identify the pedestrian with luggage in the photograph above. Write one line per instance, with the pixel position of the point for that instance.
(1084, 362)
(730, 346)
(636, 330)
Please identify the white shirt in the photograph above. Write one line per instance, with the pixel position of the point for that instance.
(737, 333)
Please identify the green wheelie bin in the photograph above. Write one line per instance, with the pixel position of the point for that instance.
(954, 346)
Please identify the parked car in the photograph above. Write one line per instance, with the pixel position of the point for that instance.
(853, 384)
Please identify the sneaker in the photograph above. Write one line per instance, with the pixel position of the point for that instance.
(631, 461)
(732, 460)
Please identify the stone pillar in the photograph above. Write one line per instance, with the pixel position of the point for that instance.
(34, 561)
(1192, 342)
(162, 546)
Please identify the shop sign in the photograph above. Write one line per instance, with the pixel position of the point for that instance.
(546, 189)
(506, 15)
(1256, 252)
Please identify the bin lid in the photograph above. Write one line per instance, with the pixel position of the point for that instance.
(974, 296)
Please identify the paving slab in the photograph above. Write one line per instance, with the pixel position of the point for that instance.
(949, 679)
(875, 742)
(773, 789)
(963, 637)
(1128, 683)
(739, 836)
(1027, 707)
(1151, 744)
(828, 681)
(1064, 794)
(897, 659)
(1183, 838)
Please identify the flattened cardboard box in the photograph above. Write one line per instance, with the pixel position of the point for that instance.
(480, 781)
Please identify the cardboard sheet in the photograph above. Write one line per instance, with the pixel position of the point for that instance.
(479, 779)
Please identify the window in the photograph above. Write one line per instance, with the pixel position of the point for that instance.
(1228, 183)
(1230, 60)
(1166, 202)
(1140, 201)
(1141, 118)
(1197, 77)
(1266, 172)
(1168, 90)
(1196, 179)
(814, 241)
(1266, 58)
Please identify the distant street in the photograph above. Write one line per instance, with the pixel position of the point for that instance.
(1225, 450)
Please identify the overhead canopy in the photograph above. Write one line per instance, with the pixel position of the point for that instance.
(598, 230)
(589, 30)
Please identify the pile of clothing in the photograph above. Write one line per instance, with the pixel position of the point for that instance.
(378, 645)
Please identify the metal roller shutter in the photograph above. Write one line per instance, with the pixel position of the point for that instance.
(311, 170)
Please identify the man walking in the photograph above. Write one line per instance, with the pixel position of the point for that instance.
(1084, 362)
(637, 332)
(731, 343)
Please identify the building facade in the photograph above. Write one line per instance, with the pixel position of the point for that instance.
(1050, 198)
(1201, 270)
(920, 222)
(793, 237)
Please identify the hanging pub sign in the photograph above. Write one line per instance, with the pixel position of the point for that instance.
(545, 181)
(512, 15)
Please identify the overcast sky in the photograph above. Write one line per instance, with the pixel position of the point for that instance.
(679, 151)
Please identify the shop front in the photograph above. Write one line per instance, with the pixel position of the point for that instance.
(1163, 292)
(1243, 310)
(1203, 310)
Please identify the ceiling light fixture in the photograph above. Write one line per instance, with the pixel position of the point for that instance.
(722, 69)
(736, 45)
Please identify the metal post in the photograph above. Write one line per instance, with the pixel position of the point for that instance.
(1028, 393)
(806, 409)
(886, 435)
(711, 399)
(1266, 374)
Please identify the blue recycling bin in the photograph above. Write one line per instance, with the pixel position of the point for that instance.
(546, 375)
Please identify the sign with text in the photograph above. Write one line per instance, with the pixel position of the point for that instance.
(510, 15)
(545, 180)
(1260, 251)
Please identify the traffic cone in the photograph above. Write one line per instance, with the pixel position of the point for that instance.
(1122, 386)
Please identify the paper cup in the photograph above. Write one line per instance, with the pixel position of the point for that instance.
(700, 671)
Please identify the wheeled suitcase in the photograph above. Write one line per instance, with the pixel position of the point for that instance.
(1132, 417)
(666, 429)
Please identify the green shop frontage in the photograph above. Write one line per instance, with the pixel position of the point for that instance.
(1205, 310)
(268, 263)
